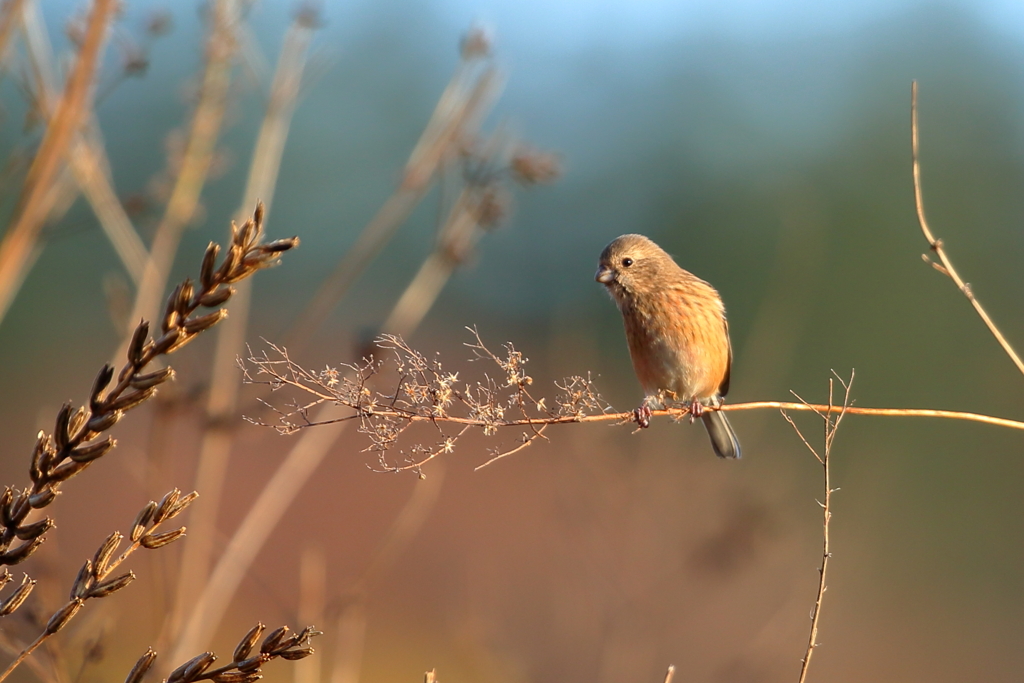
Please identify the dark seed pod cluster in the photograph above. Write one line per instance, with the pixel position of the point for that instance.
(78, 435)
(246, 661)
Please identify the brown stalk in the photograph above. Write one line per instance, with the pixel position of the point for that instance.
(831, 426)
(88, 161)
(222, 399)
(20, 239)
(465, 101)
(9, 15)
(205, 129)
(945, 266)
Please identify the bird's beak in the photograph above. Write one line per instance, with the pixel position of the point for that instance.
(605, 275)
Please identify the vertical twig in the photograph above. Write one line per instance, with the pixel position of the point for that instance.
(831, 427)
(946, 266)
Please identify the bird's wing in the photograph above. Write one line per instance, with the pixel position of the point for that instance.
(723, 388)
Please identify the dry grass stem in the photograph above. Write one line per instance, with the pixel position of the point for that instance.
(463, 104)
(670, 673)
(195, 165)
(222, 399)
(19, 241)
(945, 266)
(10, 13)
(831, 425)
(426, 394)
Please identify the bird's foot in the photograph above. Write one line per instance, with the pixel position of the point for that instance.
(642, 415)
(696, 410)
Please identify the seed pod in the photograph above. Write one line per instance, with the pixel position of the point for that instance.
(62, 616)
(93, 450)
(60, 430)
(165, 505)
(101, 422)
(18, 510)
(42, 498)
(246, 644)
(278, 246)
(230, 264)
(185, 291)
(179, 674)
(203, 322)
(102, 590)
(164, 343)
(137, 344)
(103, 378)
(257, 216)
(293, 655)
(22, 552)
(154, 541)
(40, 458)
(198, 665)
(237, 677)
(142, 520)
(209, 263)
(76, 423)
(130, 400)
(6, 498)
(274, 639)
(152, 379)
(141, 667)
(180, 505)
(104, 553)
(34, 530)
(66, 470)
(17, 597)
(83, 582)
(252, 664)
(216, 297)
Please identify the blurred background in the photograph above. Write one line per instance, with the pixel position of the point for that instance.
(765, 145)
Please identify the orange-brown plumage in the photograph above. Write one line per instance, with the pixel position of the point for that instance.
(676, 330)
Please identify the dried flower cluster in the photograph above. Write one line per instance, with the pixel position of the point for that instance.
(246, 665)
(424, 392)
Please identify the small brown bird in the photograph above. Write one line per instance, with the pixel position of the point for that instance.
(677, 333)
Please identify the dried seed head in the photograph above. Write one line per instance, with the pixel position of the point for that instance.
(22, 552)
(252, 664)
(17, 597)
(103, 378)
(42, 498)
(247, 642)
(165, 505)
(192, 668)
(34, 530)
(154, 541)
(93, 451)
(62, 616)
(217, 297)
(180, 505)
(278, 246)
(77, 420)
(237, 677)
(142, 520)
(83, 582)
(132, 399)
(292, 655)
(206, 271)
(273, 640)
(137, 344)
(166, 342)
(61, 428)
(15, 508)
(104, 553)
(141, 667)
(102, 421)
(102, 590)
(197, 325)
(66, 470)
(152, 379)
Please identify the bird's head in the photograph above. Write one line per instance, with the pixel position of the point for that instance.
(630, 264)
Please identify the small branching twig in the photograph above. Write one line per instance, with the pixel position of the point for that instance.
(94, 578)
(831, 418)
(945, 266)
(425, 393)
(246, 666)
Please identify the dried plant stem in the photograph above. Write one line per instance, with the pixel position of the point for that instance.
(20, 239)
(946, 266)
(462, 105)
(670, 673)
(831, 427)
(253, 532)
(88, 162)
(9, 14)
(205, 128)
(223, 394)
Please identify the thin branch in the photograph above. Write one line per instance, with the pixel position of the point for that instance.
(946, 267)
(831, 426)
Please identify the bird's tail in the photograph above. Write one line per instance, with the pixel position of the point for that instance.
(723, 438)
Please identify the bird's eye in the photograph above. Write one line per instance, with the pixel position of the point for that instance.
(627, 262)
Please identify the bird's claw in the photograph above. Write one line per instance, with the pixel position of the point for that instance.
(696, 410)
(642, 415)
